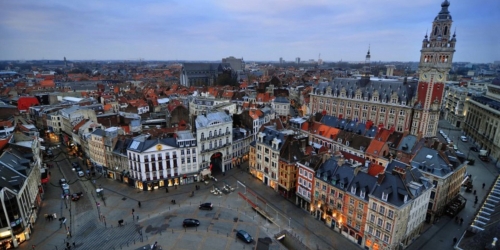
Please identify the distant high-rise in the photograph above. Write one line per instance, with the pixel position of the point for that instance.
(65, 63)
(281, 60)
(297, 60)
(390, 70)
(236, 63)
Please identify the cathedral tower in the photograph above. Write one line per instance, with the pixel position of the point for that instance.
(435, 63)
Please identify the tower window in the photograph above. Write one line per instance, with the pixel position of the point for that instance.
(435, 30)
(446, 30)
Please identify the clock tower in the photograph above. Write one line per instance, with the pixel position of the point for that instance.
(435, 63)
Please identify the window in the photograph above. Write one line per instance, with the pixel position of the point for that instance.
(388, 226)
(386, 238)
(377, 234)
(382, 209)
(351, 201)
(382, 109)
(374, 206)
(359, 216)
(370, 229)
(332, 192)
(360, 205)
(390, 214)
(372, 218)
(380, 222)
(385, 196)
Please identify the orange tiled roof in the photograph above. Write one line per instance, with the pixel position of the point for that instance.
(375, 169)
(47, 83)
(375, 146)
(107, 107)
(255, 114)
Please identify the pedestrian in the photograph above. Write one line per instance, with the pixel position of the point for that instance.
(137, 217)
(454, 240)
(474, 192)
(484, 185)
(74, 244)
(32, 246)
(461, 221)
(139, 203)
(166, 190)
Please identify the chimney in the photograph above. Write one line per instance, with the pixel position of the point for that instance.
(380, 178)
(340, 160)
(400, 171)
(326, 156)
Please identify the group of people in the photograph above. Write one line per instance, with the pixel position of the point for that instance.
(50, 217)
(461, 220)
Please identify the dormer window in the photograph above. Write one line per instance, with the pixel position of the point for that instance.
(341, 185)
(362, 194)
(339, 140)
(347, 143)
(406, 199)
(385, 195)
(353, 189)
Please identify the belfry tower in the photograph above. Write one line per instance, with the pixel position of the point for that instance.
(436, 56)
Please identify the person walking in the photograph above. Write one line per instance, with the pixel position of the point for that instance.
(454, 240)
(484, 185)
(139, 203)
(461, 221)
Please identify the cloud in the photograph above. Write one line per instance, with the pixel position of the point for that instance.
(256, 30)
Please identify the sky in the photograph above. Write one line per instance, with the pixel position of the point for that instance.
(255, 30)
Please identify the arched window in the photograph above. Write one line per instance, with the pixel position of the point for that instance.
(220, 142)
(435, 30)
(227, 129)
(202, 135)
(215, 132)
(210, 134)
(220, 131)
(445, 30)
(210, 145)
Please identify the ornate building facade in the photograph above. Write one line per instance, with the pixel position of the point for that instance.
(403, 106)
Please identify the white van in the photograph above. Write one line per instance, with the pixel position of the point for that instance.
(463, 138)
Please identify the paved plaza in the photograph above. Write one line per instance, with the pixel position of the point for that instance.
(158, 220)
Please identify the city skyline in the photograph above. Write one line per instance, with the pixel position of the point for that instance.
(255, 30)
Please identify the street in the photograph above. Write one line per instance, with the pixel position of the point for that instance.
(440, 235)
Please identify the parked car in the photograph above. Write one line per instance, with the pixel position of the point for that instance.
(76, 196)
(244, 236)
(463, 138)
(206, 206)
(76, 166)
(190, 223)
(62, 181)
(81, 174)
(474, 149)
